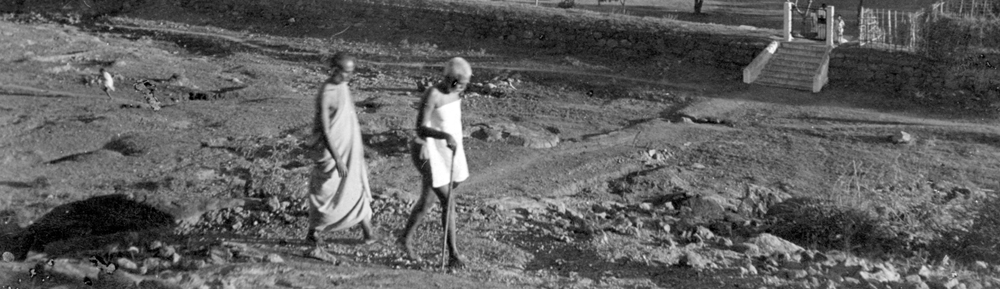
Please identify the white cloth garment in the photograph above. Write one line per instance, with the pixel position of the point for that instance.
(447, 118)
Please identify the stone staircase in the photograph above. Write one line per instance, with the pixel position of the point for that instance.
(797, 65)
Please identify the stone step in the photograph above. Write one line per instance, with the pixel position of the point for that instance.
(784, 85)
(787, 82)
(802, 53)
(787, 74)
(804, 46)
(792, 67)
(797, 58)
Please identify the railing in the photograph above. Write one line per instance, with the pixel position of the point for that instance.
(889, 29)
(752, 71)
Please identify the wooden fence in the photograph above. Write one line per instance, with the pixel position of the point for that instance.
(889, 29)
(989, 9)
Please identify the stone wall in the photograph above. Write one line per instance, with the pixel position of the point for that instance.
(579, 32)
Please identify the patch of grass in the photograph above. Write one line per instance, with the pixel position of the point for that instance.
(881, 209)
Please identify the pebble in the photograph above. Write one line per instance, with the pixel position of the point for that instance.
(155, 245)
(274, 258)
(127, 264)
(166, 252)
(8, 257)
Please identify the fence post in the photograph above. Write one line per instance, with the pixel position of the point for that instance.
(829, 25)
(786, 32)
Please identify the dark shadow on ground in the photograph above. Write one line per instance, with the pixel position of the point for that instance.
(101, 215)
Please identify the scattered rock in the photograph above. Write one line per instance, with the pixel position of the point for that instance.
(274, 258)
(646, 206)
(703, 207)
(8, 257)
(158, 284)
(748, 249)
(793, 265)
(915, 285)
(902, 138)
(793, 274)
(771, 244)
(166, 252)
(219, 255)
(320, 254)
(125, 263)
(175, 257)
(698, 166)
(154, 245)
(725, 242)
(819, 257)
(694, 260)
(972, 284)
(924, 272)
(218, 142)
(914, 278)
(882, 273)
(702, 233)
(980, 265)
(517, 134)
(950, 284)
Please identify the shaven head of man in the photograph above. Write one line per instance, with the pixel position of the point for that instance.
(341, 68)
(457, 74)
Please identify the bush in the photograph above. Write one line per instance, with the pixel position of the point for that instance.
(876, 209)
(981, 240)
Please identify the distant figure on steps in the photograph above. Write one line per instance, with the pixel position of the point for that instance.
(839, 29)
(821, 21)
(107, 82)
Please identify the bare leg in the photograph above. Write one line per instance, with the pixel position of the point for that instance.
(314, 238)
(370, 236)
(455, 260)
(108, 93)
(419, 212)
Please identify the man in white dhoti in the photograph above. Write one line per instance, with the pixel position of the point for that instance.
(439, 155)
(339, 194)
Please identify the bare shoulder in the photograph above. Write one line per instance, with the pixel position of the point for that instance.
(432, 97)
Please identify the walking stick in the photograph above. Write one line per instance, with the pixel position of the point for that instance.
(447, 210)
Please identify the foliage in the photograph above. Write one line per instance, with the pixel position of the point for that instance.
(948, 36)
(981, 240)
(878, 209)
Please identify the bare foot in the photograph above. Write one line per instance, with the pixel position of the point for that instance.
(368, 240)
(320, 254)
(408, 249)
(457, 262)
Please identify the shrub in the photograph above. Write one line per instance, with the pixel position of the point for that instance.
(879, 209)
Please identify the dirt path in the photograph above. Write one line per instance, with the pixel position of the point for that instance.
(614, 204)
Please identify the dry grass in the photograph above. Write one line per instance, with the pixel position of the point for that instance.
(878, 209)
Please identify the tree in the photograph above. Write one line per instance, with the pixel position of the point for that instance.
(697, 6)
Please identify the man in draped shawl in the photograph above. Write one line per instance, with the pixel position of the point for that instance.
(339, 194)
(439, 155)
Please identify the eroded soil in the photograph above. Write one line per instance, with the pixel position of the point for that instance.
(587, 171)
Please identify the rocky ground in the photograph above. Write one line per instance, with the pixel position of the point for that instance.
(587, 172)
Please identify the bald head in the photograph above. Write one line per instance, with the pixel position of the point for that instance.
(341, 66)
(458, 69)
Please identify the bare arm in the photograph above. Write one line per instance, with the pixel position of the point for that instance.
(325, 113)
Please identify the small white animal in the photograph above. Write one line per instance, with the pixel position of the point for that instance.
(108, 81)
